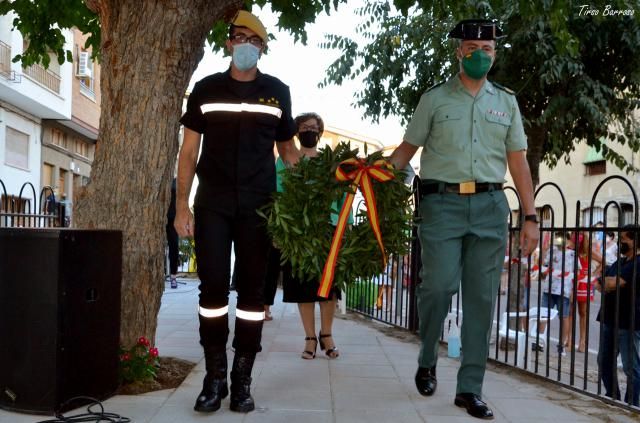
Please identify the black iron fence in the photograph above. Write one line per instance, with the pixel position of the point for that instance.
(29, 210)
(566, 344)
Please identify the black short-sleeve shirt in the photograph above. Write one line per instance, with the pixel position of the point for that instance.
(240, 122)
(627, 304)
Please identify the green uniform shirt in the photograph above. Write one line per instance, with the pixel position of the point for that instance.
(466, 138)
(279, 168)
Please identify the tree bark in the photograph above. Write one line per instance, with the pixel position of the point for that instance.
(535, 151)
(149, 51)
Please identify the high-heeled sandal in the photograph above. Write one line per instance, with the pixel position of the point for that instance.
(310, 355)
(330, 352)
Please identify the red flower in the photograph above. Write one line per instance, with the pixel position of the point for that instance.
(143, 341)
(153, 352)
(125, 357)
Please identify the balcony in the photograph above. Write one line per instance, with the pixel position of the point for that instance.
(45, 77)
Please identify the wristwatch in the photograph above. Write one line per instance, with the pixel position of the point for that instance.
(531, 218)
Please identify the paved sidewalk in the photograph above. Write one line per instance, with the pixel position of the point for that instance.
(371, 381)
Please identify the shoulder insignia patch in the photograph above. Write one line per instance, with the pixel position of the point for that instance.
(503, 88)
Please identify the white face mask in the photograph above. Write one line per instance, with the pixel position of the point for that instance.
(245, 56)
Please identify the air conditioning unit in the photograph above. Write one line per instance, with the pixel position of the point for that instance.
(84, 65)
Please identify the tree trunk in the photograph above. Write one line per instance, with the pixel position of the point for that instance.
(535, 150)
(149, 51)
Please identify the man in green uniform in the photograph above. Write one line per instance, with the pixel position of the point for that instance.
(470, 130)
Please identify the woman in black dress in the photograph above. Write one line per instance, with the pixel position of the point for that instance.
(304, 293)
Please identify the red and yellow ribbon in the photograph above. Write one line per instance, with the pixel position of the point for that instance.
(358, 171)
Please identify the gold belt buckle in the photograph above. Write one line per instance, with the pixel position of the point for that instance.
(467, 188)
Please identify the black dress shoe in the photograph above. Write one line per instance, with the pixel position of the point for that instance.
(426, 381)
(474, 405)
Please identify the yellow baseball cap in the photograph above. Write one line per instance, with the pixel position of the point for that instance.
(251, 21)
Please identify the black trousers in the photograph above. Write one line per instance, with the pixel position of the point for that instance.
(272, 276)
(172, 240)
(214, 232)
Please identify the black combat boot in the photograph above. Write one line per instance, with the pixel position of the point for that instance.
(214, 387)
(241, 399)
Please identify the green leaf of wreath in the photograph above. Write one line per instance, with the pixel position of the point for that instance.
(299, 219)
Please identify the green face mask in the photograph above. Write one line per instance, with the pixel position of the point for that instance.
(477, 64)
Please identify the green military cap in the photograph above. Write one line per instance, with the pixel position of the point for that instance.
(476, 29)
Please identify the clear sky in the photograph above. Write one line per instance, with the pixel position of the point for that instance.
(303, 67)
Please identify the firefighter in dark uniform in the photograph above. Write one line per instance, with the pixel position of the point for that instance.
(470, 130)
(238, 114)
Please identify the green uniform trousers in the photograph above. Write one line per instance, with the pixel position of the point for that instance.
(463, 239)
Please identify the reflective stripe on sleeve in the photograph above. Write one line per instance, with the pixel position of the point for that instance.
(249, 315)
(241, 107)
(213, 312)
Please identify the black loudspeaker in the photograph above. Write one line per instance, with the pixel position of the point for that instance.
(59, 316)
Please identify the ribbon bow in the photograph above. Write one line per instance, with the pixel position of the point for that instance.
(358, 171)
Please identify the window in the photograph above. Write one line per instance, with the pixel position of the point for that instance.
(81, 148)
(596, 168)
(84, 71)
(627, 213)
(16, 149)
(47, 175)
(598, 216)
(545, 213)
(59, 138)
(61, 183)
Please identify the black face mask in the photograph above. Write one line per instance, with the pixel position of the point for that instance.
(624, 248)
(308, 139)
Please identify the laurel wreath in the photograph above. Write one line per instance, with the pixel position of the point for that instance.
(299, 223)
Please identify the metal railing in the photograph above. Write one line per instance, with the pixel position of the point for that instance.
(519, 338)
(45, 77)
(27, 210)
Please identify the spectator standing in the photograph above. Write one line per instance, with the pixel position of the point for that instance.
(557, 286)
(619, 317)
(303, 292)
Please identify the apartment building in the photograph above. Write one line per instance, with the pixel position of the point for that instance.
(585, 194)
(49, 121)
(68, 145)
(365, 145)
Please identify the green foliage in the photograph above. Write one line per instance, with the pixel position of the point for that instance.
(186, 249)
(577, 76)
(293, 16)
(41, 22)
(138, 363)
(299, 219)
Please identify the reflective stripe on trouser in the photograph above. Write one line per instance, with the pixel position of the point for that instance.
(214, 232)
(463, 241)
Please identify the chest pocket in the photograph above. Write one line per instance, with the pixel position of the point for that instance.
(444, 116)
(446, 132)
(497, 125)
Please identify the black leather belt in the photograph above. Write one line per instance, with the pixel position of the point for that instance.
(463, 188)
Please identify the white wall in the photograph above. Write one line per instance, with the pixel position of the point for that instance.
(14, 177)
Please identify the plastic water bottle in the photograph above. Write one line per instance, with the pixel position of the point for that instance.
(453, 340)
